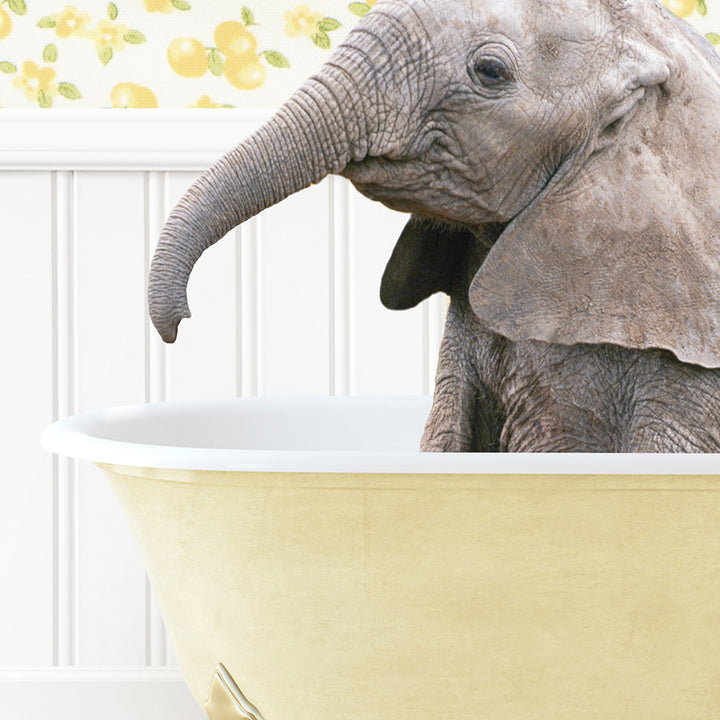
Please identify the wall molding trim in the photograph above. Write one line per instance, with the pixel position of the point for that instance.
(121, 139)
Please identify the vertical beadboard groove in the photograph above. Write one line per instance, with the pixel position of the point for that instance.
(339, 218)
(348, 341)
(239, 353)
(163, 639)
(433, 323)
(65, 401)
(249, 350)
(155, 213)
(258, 306)
(237, 239)
(55, 416)
(156, 202)
(332, 282)
(425, 345)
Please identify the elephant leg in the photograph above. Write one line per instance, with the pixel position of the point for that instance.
(674, 406)
(463, 420)
(466, 415)
(672, 433)
(658, 437)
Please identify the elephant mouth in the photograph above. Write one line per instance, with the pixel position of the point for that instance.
(394, 184)
(395, 200)
(421, 193)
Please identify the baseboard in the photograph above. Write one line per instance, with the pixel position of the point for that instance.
(88, 694)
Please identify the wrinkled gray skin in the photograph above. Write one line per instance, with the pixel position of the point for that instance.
(567, 153)
(493, 394)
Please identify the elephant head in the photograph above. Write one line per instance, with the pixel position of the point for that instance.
(579, 139)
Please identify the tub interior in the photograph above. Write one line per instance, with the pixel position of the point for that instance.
(324, 424)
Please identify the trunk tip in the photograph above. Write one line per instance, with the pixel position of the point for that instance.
(167, 324)
(167, 302)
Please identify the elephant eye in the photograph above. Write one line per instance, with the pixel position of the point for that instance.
(489, 71)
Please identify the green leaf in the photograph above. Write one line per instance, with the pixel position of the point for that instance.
(44, 100)
(180, 5)
(360, 9)
(276, 59)
(105, 54)
(714, 38)
(328, 24)
(112, 11)
(7, 67)
(321, 39)
(216, 64)
(50, 53)
(247, 16)
(701, 7)
(46, 22)
(69, 91)
(134, 37)
(18, 6)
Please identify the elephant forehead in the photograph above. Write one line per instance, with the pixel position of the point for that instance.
(574, 21)
(579, 23)
(502, 16)
(520, 20)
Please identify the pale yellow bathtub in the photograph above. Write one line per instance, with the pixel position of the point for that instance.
(310, 565)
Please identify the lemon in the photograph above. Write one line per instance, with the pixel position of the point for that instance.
(187, 57)
(162, 6)
(233, 39)
(681, 8)
(245, 73)
(5, 24)
(130, 95)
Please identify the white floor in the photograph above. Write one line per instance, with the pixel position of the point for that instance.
(77, 694)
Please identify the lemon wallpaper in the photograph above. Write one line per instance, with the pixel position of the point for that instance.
(186, 53)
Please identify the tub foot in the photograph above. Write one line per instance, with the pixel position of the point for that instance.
(226, 701)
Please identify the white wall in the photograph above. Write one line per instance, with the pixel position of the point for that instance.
(287, 305)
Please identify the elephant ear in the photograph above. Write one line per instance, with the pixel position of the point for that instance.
(429, 257)
(626, 249)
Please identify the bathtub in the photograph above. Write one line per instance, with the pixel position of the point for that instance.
(311, 565)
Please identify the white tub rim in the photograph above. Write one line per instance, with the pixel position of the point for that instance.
(81, 436)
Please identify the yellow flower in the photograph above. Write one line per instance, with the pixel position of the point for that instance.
(109, 34)
(34, 80)
(370, 3)
(204, 101)
(71, 22)
(162, 6)
(130, 95)
(301, 21)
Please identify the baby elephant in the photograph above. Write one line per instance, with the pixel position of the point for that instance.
(495, 394)
(568, 154)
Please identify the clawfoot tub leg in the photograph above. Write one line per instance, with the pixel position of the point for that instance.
(226, 701)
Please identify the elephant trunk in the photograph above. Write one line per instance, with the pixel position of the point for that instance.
(305, 141)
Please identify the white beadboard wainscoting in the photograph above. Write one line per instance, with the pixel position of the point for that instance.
(288, 305)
